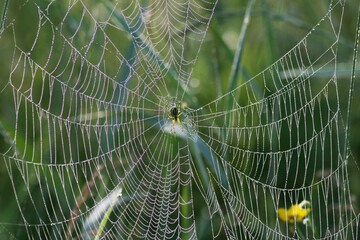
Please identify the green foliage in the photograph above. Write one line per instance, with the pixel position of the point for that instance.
(233, 52)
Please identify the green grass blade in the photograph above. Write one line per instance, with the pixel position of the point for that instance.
(288, 19)
(3, 16)
(213, 166)
(107, 215)
(267, 20)
(298, 23)
(240, 46)
(343, 70)
(352, 85)
(237, 63)
(171, 75)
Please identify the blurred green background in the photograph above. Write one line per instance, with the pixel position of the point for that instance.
(275, 27)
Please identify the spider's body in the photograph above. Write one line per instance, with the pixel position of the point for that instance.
(174, 114)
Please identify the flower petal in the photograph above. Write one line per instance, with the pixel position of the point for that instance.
(282, 214)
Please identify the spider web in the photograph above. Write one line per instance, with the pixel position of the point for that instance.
(92, 135)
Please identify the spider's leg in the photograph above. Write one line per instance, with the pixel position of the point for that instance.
(173, 126)
(178, 120)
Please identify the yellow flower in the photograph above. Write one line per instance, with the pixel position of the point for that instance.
(296, 212)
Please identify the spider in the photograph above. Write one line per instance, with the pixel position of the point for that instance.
(174, 114)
